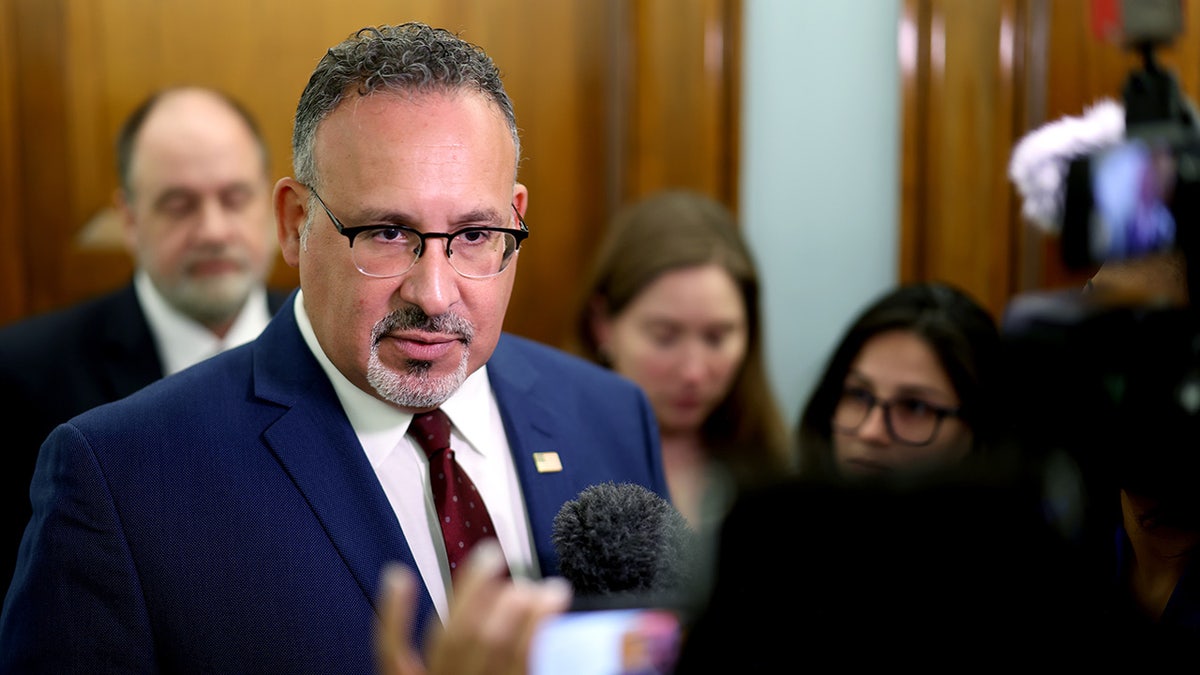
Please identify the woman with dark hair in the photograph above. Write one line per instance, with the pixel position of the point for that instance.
(916, 519)
(906, 388)
(672, 303)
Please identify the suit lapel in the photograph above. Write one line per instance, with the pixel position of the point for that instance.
(532, 427)
(315, 444)
(129, 359)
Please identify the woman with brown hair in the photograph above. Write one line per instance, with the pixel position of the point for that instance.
(672, 302)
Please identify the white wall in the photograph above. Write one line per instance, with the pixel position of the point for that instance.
(820, 172)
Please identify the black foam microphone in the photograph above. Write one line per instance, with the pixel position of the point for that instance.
(622, 540)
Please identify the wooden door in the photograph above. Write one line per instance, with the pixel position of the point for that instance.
(614, 100)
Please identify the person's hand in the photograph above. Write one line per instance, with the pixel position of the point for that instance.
(491, 625)
(392, 648)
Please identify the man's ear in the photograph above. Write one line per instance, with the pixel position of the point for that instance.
(520, 199)
(291, 213)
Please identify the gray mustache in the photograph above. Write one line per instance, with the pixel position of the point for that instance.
(412, 318)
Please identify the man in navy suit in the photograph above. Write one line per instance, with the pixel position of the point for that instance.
(195, 205)
(236, 517)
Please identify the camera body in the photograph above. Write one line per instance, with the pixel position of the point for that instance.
(1139, 197)
(1115, 385)
(1133, 200)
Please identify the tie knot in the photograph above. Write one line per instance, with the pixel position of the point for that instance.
(431, 431)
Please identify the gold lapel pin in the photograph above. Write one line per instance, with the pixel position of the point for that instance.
(547, 462)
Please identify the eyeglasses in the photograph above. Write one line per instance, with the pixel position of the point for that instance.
(384, 251)
(909, 420)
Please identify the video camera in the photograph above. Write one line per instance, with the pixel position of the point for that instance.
(1116, 386)
(1138, 197)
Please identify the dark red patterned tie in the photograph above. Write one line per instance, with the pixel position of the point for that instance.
(464, 518)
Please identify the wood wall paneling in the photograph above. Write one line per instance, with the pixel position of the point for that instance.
(685, 80)
(553, 56)
(913, 58)
(1029, 98)
(615, 100)
(77, 67)
(41, 117)
(958, 132)
(13, 256)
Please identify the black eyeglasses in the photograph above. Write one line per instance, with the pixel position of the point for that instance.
(386, 250)
(909, 420)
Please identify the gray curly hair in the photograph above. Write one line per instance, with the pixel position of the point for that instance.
(410, 57)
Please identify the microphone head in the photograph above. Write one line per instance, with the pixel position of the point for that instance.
(1040, 160)
(622, 539)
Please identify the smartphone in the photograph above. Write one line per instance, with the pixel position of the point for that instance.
(619, 641)
(1118, 204)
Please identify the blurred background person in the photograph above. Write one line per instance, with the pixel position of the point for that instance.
(194, 202)
(907, 388)
(1133, 327)
(672, 302)
(912, 521)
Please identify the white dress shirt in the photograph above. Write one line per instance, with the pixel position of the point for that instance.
(480, 446)
(182, 341)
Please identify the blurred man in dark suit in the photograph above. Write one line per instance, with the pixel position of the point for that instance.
(195, 205)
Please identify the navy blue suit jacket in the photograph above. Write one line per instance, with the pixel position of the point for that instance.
(226, 519)
(56, 365)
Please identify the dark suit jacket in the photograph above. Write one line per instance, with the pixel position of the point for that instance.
(226, 519)
(57, 365)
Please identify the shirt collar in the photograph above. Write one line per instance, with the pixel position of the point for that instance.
(181, 340)
(379, 425)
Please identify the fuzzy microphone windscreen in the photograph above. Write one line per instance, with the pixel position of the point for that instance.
(622, 538)
(1040, 160)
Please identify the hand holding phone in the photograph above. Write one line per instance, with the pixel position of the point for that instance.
(636, 641)
(492, 619)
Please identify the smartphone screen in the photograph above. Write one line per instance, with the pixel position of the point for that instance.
(1132, 185)
(642, 641)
